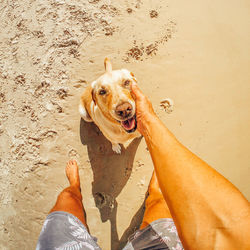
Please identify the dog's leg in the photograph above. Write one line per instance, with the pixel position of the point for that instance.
(84, 113)
(116, 148)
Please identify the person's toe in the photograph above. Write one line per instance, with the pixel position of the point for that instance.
(72, 173)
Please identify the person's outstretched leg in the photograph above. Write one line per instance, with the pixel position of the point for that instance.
(70, 199)
(156, 206)
(65, 226)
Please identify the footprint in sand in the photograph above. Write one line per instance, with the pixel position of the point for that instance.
(168, 105)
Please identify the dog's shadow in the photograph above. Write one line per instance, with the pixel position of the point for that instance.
(111, 172)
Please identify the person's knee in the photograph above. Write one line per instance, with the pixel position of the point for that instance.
(70, 202)
(152, 201)
(69, 195)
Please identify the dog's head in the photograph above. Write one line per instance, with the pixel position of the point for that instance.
(111, 92)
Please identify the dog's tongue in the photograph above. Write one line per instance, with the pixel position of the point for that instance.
(129, 124)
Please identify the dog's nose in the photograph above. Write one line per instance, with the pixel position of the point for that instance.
(124, 110)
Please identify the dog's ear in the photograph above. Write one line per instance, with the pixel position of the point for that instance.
(133, 76)
(93, 96)
(93, 91)
(107, 65)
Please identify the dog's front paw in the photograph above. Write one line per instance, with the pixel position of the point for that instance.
(116, 148)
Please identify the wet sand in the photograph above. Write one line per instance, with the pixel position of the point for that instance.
(194, 53)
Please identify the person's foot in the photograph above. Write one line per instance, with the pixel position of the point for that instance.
(72, 173)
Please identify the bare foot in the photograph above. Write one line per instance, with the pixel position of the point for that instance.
(72, 173)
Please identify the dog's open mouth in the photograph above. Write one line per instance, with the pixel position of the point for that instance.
(130, 125)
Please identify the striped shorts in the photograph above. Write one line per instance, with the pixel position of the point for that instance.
(64, 231)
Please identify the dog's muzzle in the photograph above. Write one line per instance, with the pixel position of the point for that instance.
(129, 125)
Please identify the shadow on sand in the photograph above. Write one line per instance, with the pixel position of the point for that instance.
(111, 172)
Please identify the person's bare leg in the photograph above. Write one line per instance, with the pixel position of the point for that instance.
(70, 199)
(156, 206)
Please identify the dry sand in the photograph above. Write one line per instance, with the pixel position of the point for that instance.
(196, 53)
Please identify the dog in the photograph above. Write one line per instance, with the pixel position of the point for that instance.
(108, 103)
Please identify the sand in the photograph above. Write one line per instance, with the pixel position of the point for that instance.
(196, 53)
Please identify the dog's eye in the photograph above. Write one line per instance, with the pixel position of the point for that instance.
(126, 83)
(102, 92)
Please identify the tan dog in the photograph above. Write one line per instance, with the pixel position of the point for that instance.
(109, 104)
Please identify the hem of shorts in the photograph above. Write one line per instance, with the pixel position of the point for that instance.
(69, 214)
(156, 222)
(74, 218)
(159, 221)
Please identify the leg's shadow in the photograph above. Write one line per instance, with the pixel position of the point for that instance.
(111, 172)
